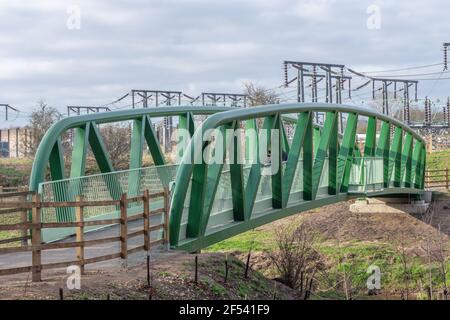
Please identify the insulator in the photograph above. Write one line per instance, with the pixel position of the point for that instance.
(445, 113)
(448, 111)
(285, 74)
(445, 57)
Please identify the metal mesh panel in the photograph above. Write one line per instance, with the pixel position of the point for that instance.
(109, 186)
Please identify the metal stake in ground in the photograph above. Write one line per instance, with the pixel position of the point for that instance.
(226, 269)
(196, 270)
(148, 269)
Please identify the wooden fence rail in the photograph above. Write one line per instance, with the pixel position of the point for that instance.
(36, 225)
(437, 178)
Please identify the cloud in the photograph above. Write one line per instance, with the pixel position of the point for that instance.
(199, 45)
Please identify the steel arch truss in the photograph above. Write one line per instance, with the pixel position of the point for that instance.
(306, 153)
(403, 163)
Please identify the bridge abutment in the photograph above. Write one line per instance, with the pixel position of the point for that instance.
(389, 205)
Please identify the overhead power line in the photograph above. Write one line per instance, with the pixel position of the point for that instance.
(404, 69)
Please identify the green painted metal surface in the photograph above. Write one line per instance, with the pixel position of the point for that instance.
(213, 201)
(333, 168)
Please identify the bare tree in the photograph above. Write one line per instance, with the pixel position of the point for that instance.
(406, 268)
(42, 118)
(259, 95)
(296, 258)
(346, 277)
(117, 142)
(442, 259)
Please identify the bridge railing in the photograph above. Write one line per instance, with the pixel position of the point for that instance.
(102, 187)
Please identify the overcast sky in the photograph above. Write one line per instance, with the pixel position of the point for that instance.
(200, 45)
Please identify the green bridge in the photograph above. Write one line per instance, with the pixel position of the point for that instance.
(214, 200)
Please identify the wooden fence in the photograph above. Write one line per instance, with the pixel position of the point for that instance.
(12, 189)
(35, 227)
(20, 214)
(437, 179)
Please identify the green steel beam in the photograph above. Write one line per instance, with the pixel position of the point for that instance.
(197, 197)
(186, 122)
(294, 155)
(79, 151)
(153, 143)
(371, 134)
(395, 157)
(103, 161)
(333, 152)
(99, 150)
(369, 146)
(383, 150)
(137, 143)
(415, 161)
(308, 161)
(57, 161)
(251, 141)
(214, 171)
(406, 163)
(317, 133)
(322, 151)
(79, 155)
(420, 176)
(254, 178)
(57, 173)
(345, 157)
(276, 162)
(284, 137)
(236, 172)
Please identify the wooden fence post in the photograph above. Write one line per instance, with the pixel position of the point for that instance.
(146, 203)
(446, 178)
(123, 227)
(79, 213)
(166, 218)
(24, 219)
(36, 239)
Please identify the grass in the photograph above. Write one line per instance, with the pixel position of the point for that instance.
(257, 240)
(438, 160)
(354, 258)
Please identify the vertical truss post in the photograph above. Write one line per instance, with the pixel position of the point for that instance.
(345, 159)
(383, 150)
(237, 175)
(333, 159)
(406, 164)
(308, 161)
(277, 161)
(395, 157)
(322, 151)
(294, 154)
